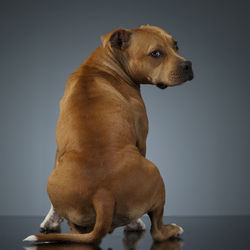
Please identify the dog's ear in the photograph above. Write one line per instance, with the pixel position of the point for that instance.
(118, 38)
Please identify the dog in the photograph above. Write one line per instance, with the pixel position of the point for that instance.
(101, 178)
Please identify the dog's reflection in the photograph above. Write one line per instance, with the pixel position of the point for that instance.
(131, 241)
(172, 244)
(63, 246)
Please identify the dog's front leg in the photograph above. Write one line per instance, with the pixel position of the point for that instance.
(52, 222)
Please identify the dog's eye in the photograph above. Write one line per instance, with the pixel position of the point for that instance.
(176, 46)
(156, 53)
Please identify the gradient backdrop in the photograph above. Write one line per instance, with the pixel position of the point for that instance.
(198, 133)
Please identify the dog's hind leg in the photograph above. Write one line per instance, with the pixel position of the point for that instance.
(159, 231)
(52, 222)
(103, 203)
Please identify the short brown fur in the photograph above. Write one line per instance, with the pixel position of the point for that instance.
(102, 179)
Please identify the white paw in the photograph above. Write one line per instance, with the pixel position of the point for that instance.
(137, 225)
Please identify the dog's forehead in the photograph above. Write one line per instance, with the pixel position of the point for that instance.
(157, 31)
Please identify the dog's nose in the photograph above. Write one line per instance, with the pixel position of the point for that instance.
(186, 68)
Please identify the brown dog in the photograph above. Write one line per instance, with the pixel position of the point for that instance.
(102, 179)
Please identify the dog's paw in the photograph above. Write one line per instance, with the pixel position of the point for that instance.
(50, 227)
(180, 232)
(137, 225)
(51, 223)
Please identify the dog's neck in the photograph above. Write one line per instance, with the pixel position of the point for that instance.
(106, 61)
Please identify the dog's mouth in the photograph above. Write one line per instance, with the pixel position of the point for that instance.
(177, 80)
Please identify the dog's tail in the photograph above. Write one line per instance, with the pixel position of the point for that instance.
(103, 202)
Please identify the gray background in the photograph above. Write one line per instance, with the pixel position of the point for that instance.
(199, 132)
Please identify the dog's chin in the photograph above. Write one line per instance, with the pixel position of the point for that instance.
(181, 80)
(161, 85)
(175, 82)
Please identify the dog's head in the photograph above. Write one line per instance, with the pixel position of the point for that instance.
(150, 55)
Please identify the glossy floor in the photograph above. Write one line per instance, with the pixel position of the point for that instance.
(201, 233)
